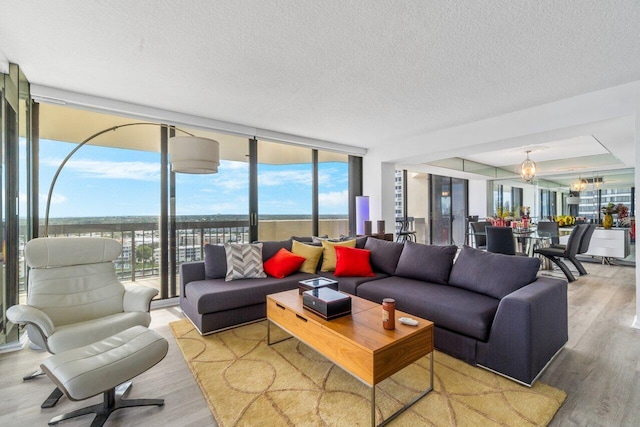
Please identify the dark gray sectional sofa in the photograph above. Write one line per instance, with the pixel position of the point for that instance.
(490, 310)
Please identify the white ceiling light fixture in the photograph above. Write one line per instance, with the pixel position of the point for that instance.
(194, 155)
(528, 169)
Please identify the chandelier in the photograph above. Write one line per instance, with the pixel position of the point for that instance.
(528, 169)
(579, 185)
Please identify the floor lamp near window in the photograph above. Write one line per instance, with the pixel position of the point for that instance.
(187, 154)
(362, 214)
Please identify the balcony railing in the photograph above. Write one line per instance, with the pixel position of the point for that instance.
(137, 237)
(140, 258)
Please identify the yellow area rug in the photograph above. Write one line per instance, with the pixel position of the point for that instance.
(248, 383)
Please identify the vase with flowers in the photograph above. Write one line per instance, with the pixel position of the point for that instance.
(621, 210)
(503, 214)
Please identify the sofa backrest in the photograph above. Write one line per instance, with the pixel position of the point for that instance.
(492, 274)
(384, 255)
(430, 263)
(215, 259)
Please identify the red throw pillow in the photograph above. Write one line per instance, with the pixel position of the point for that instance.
(283, 263)
(353, 262)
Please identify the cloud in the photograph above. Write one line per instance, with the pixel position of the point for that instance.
(233, 165)
(102, 169)
(333, 199)
(274, 178)
(56, 198)
(332, 177)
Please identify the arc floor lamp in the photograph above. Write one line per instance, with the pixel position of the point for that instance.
(187, 154)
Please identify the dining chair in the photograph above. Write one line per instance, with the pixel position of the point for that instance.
(405, 233)
(552, 228)
(584, 247)
(501, 240)
(556, 254)
(478, 230)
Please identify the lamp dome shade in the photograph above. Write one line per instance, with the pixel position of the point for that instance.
(195, 155)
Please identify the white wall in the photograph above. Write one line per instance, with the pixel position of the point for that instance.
(478, 192)
(4, 64)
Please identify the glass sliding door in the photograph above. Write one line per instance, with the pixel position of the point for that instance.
(448, 210)
(109, 188)
(211, 208)
(14, 140)
(333, 194)
(285, 189)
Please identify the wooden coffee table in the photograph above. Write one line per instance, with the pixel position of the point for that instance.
(357, 343)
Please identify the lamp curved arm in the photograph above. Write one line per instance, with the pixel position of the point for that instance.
(72, 152)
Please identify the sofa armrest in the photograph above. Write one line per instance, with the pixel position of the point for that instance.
(530, 327)
(26, 314)
(138, 298)
(189, 272)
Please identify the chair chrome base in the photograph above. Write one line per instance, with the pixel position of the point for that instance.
(33, 375)
(112, 402)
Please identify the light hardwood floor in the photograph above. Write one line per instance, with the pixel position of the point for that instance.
(599, 368)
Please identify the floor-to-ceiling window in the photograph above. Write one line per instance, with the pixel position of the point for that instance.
(15, 142)
(209, 208)
(432, 206)
(285, 188)
(548, 204)
(448, 210)
(110, 187)
(333, 194)
(119, 185)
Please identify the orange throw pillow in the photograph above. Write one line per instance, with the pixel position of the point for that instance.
(283, 263)
(353, 262)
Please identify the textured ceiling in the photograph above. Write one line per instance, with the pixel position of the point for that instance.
(364, 73)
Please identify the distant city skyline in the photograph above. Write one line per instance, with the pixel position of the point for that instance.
(103, 181)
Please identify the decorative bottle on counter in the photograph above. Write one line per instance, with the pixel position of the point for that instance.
(389, 313)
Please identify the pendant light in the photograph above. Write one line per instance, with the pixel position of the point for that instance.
(528, 169)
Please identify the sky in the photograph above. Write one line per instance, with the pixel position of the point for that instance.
(101, 181)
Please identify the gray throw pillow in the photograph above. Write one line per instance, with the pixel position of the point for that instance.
(215, 261)
(384, 255)
(244, 261)
(492, 274)
(429, 263)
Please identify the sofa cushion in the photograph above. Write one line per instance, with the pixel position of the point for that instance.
(350, 284)
(244, 261)
(271, 247)
(311, 253)
(353, 262)
(210, 296)
(283, 263)
(458, 310)
(215, 261)
(492, 274)
(329, 253)
(361, 241)
(384, 254)
(431, 263)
